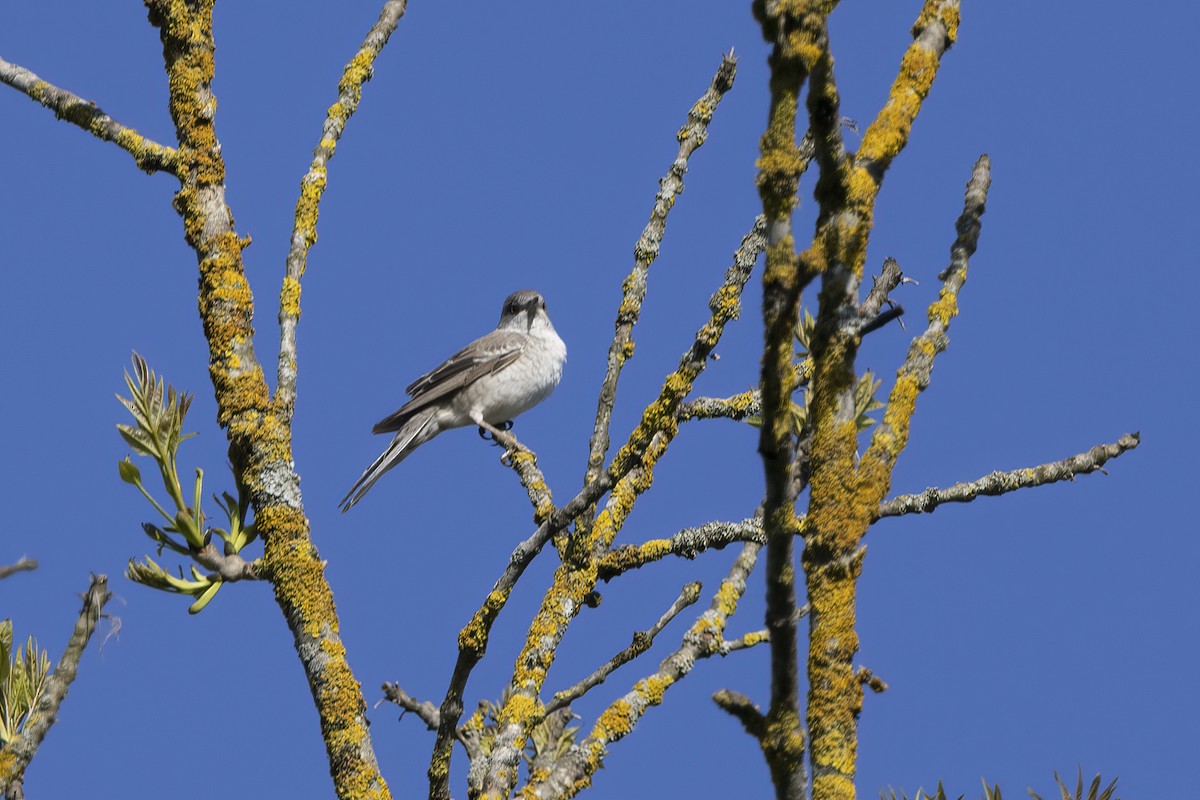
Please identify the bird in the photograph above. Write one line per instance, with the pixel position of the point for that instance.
(487, 383)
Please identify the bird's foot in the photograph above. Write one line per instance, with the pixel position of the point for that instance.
(486, 431)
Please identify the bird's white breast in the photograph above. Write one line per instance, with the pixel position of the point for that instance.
(520, 386)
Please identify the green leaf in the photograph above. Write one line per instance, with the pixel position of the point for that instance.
(864, 400)
(187, 526)
(138, 440)
(6, 637)
(804, 330)
(163, 539)
(24, 680)
(204, 598)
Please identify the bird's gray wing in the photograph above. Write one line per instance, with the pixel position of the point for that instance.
(484, 356)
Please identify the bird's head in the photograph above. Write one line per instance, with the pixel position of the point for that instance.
(524, 311)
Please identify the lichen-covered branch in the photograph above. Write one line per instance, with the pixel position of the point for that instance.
(998, 483)
(149, 155)
(260, 439)
(913, 376)
(687, 543)
(642, 641)
(312, 187)
(691, 136)
(841, 503)
(737, 407)
(473, 638)
(524, 463)
(935, 30)
(22, 565)
(17, 753)
(574, 770)
(797, 33)
(577, 575)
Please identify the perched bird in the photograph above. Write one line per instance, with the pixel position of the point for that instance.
(491, 380)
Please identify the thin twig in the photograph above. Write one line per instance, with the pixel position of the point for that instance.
(425, 710)
(871, 314)
(690, 542)
(524, 463)
(687, 543)
(998, 483)
(743, 710)
(574, 770)
(891, 436)
(642, 641)
(691, 136)
(149, 155)
(312, 187)
(745, 641)
(881, 319)
(24, 565)
(18, 752)
(872, 681)
(881, 288)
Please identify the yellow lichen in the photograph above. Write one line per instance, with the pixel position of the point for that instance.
(289, 297)
(473, 636)
(945, 308)
(615, 722)
(653, 688)
(833, 787)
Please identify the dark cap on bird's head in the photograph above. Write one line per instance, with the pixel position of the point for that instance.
(522, 300)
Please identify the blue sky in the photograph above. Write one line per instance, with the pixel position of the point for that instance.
(502, 147)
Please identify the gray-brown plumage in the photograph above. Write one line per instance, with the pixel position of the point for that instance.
(492, 380)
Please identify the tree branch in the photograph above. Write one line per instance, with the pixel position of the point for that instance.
(228, 567)
(473, 638)
(149, 155)
(737, 407)
(23, 565)
(425, 710)
(743, 710)
(524, 463)
(998, 483)
(312, 187)
(797, 33)
(574, 770)
(869, 679)
(687, 543)
(260, 439)
(642, 641)
(691, 136)
(881, 289)
(17, 753)
(891, 436)
(576, 577)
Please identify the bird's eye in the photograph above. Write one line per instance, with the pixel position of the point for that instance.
(542, 304)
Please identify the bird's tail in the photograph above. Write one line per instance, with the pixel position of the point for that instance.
(416, 432)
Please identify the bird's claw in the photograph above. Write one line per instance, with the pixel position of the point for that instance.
(487, 435)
